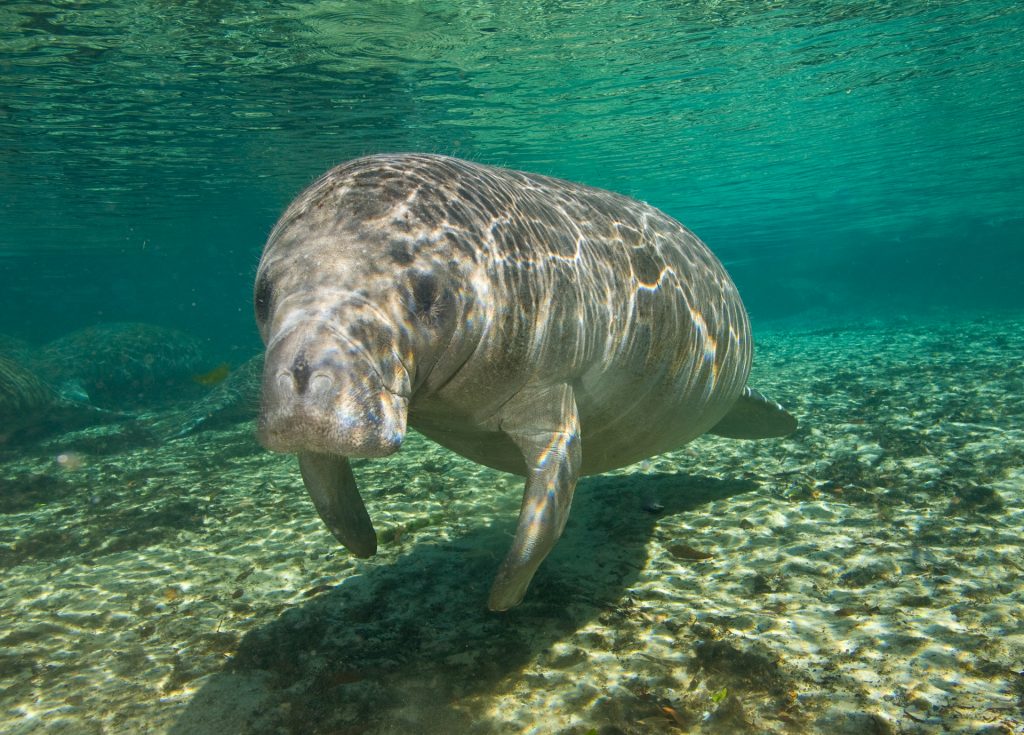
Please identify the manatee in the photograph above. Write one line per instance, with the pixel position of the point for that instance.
(124, 364)
(30, 407)
(235, 399)
(17, 349)
(530, 324)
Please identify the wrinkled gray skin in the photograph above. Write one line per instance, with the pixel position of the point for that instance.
(529, 324)
(30, 407)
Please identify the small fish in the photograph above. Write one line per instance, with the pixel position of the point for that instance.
(215, 376)
(651, 505)
(673, 715)
(685, 551)
(845, 612)
(317, 590)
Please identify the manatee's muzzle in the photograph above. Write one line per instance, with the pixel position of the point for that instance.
(322, 393)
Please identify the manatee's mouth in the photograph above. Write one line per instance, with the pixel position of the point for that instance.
(326, 396)
(368, 428)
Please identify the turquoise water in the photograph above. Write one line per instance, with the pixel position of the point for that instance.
(831, 153)
(857, 166)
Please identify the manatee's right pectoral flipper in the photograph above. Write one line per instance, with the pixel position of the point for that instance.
(332, 486)
(544, 425)
(754, 417)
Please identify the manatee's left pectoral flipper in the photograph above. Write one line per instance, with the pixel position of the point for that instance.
(754, 417)
(332, 486)
(544, 425)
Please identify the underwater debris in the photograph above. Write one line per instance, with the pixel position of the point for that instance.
(70, 460)
(754, 668)
(866, 574)
(976, 499)
(765, 583)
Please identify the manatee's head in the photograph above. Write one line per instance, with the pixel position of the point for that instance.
(333, 382)
(359, 303)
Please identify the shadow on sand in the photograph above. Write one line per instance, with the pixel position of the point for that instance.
(409, 647)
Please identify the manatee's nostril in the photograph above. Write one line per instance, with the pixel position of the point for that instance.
(285, 383)
(320, 382)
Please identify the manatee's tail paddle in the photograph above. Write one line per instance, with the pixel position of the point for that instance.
(754, 416)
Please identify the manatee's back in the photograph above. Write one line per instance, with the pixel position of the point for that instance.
(588, 287)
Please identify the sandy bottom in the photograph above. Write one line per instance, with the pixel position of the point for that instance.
(865, 575)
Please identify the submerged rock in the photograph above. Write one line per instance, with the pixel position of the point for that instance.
(123, 364)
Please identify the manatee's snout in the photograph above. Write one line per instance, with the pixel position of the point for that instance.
(323, 394)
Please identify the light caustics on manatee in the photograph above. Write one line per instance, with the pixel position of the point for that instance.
(532, 325)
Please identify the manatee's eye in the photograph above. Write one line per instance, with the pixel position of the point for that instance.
(424, 290)
(429, 298)
(264, 292)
